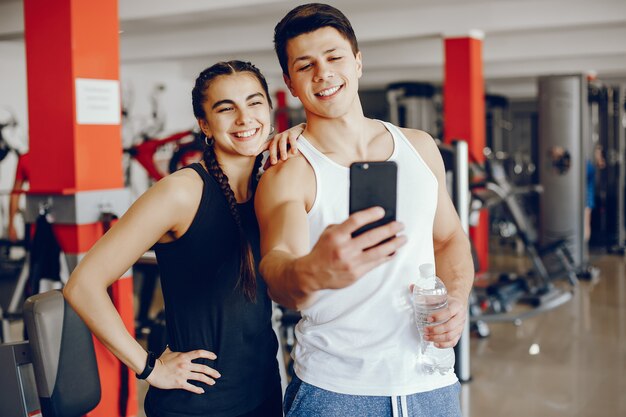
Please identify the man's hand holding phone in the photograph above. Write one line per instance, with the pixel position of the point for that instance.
(338, 260)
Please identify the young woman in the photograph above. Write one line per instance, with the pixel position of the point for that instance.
(221, 359)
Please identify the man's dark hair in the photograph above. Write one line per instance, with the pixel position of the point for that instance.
(308, 18)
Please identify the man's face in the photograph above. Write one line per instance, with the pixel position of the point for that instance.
(323, 72)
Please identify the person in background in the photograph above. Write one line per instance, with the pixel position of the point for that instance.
(597, 162)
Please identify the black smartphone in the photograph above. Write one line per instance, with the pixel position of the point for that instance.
(373, 184)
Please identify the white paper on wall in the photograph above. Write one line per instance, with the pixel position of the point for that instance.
(97, 102)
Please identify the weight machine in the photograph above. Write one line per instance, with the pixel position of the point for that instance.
(414, 105)
(55, 374)
(606, 107)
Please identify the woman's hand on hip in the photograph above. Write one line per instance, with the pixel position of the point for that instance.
(174, 370)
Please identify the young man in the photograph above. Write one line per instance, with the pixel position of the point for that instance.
(357, 344)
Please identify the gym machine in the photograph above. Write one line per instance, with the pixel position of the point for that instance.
(509, 189)
(537, 289)
(414, 105)
(55, 373)
(500, 139)
(606, 105)
(494, 302)
(498, 123)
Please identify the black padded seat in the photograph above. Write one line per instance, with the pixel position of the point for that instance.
(63, 355)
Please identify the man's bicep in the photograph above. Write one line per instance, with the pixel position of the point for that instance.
(286, 230)
(446, 218)
(447, 222)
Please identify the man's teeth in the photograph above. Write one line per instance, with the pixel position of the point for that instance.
(329, 91)
(246, 134)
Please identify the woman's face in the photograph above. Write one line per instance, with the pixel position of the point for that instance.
(237, 114)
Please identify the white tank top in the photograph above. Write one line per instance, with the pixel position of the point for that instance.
(362, 340)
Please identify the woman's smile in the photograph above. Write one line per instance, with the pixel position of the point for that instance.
(245, 135)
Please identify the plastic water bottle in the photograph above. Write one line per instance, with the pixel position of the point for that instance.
(429, 296)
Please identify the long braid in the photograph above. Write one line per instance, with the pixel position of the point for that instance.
(247, 276)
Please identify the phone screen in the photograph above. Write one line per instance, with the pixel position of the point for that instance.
(373, 184)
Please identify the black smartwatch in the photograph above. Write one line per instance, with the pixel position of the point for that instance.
(150, 362)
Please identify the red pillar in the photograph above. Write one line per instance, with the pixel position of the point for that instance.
(282, 112)
(464, 112)
(72, 52)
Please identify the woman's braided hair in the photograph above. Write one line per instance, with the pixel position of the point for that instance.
(247, 277)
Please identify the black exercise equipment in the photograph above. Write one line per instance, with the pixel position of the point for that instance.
(59, 359)
(495, 303)
(608, 230)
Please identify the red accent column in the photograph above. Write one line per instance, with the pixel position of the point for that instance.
(282, 112)
(464, 113)
(66, 41)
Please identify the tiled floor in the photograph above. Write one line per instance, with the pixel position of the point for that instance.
(580, 369)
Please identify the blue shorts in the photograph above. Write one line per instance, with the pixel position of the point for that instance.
(306, 400)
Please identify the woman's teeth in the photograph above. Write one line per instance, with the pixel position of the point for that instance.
(245, 134)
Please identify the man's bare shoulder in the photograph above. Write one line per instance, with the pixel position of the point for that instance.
(426, 146)
(289, 180)
(419, 139)
(292, 171)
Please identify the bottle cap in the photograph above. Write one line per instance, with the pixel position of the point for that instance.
(427, 270)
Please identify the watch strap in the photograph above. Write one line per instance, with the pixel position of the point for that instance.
(150, 363)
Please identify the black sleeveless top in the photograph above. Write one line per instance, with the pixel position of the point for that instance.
(206, 309)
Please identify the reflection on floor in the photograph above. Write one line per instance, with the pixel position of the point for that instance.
(567, 362)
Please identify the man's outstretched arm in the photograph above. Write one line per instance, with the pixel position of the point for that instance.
(294, 273)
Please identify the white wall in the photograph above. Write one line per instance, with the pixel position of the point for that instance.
(175, 101)
(178, 77)
(12, 100)
(13, 79)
